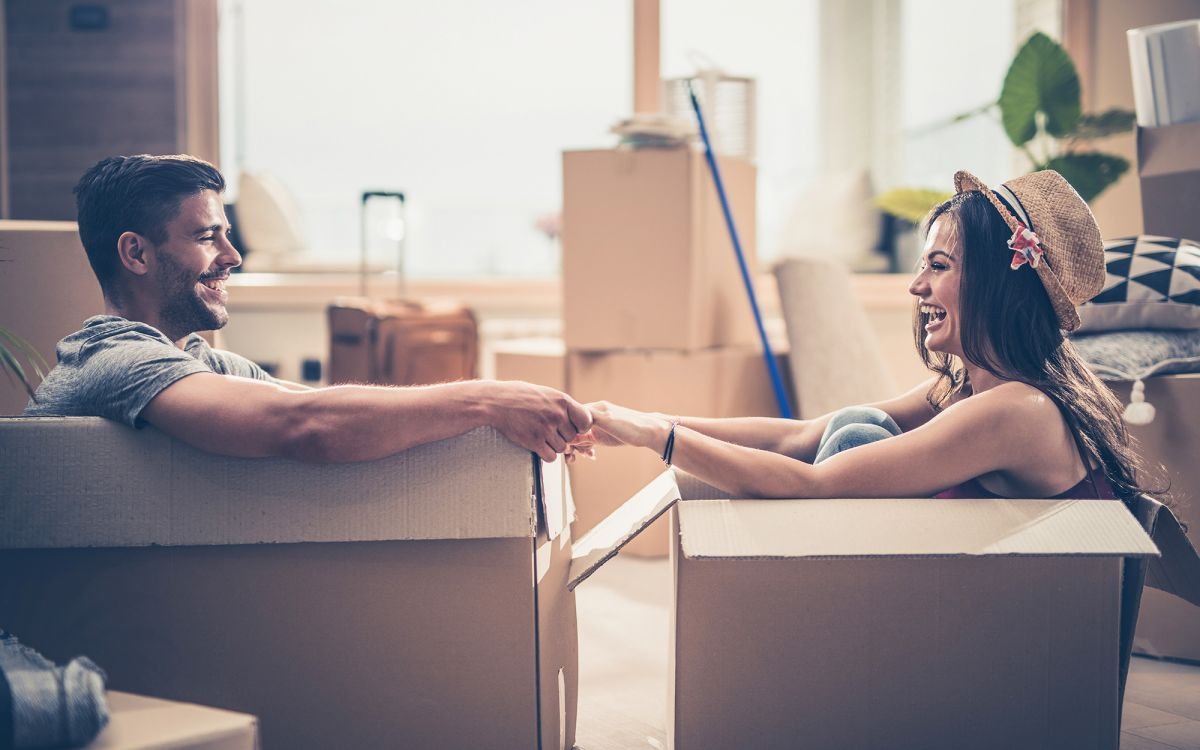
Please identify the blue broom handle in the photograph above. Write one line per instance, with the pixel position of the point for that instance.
(785, 410)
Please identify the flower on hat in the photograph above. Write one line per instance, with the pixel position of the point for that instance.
(1026, 247)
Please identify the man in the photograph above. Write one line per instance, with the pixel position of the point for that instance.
(157, 238)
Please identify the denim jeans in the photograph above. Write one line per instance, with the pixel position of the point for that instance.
(854, 426)
(50, 706)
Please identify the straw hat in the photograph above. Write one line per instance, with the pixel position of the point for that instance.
(1071, 263)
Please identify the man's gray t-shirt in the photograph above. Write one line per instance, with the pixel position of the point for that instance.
(114, 367)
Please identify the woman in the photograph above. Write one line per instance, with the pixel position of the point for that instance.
(1012, 412)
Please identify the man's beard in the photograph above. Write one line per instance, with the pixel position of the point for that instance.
(183, 310)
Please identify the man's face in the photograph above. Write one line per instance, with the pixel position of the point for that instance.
(192, 265)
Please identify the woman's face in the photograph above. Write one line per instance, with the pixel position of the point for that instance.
(936, 286)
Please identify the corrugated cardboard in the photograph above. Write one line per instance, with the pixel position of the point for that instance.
(1169, 626)
(894, 623)
(647, 259)
(1169, 172)
(415, 601)
(723, 382)
(140, 723)
(47, 289)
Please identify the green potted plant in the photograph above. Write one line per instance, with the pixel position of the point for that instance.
(1039, 109)
(13, 349)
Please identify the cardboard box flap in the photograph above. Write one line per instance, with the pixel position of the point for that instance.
(557, 505)
(608, 537)
(1178, 570)
(116, 487)
(909, 528)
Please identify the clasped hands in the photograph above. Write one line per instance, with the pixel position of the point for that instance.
(619, 425)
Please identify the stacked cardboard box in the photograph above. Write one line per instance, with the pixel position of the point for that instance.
(1169, 627)
(655, 314)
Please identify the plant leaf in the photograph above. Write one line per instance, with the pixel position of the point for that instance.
(12, 368)
(910, 204)
(1041, 78)
(11, 364)
(1088, 172)
(26, 350)
(1104, 124)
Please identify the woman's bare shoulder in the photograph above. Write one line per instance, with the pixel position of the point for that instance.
(1023, 396)
(1023, 408)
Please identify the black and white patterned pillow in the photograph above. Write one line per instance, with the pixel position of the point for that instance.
(1152, 282)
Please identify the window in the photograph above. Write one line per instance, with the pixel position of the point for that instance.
(466, 105)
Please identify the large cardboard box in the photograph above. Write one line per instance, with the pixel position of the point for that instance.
(724, 382)
(647, 260)
(1169, 626)
(414, 601)
(1169, 172)
(140, 723)
(888, 623)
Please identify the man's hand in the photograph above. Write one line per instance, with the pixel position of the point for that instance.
(535, 417)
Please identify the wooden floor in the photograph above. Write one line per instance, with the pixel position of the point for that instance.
(623, 621)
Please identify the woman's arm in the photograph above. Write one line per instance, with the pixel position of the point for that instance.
(987, 432)
(799, 438)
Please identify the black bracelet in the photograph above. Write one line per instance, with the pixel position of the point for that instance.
(670, 449)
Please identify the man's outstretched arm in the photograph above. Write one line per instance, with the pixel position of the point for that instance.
(249, 418)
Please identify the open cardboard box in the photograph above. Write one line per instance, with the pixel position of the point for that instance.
(415, 601)
(895, 623)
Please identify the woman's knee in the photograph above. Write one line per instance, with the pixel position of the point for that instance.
(851, 436)
(861, 415)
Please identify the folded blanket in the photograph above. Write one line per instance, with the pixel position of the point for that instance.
(43, 705)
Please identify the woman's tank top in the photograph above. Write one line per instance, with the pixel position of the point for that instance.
(1093, 486)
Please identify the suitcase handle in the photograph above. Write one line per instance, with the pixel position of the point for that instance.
(362, 220)
(368, 194)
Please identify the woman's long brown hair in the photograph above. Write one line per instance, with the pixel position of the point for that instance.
(1009, 328)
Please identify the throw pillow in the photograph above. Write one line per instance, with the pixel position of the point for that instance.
(1152, 282)
(1136, 355)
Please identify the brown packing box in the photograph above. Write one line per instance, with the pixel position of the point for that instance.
(1169, 172)
(42, 314)
(1169, 626)
(414, 601)
(541, 361)
(647, 259)
(888, 623)
(140, 723)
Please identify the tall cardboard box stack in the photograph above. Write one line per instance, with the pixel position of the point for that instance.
(1163, 62)
(655, 315)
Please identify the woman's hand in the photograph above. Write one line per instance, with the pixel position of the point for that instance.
(618, 425)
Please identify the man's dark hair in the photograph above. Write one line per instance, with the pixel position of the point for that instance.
(135, 194)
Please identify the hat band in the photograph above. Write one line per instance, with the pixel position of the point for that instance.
(1013, 204)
